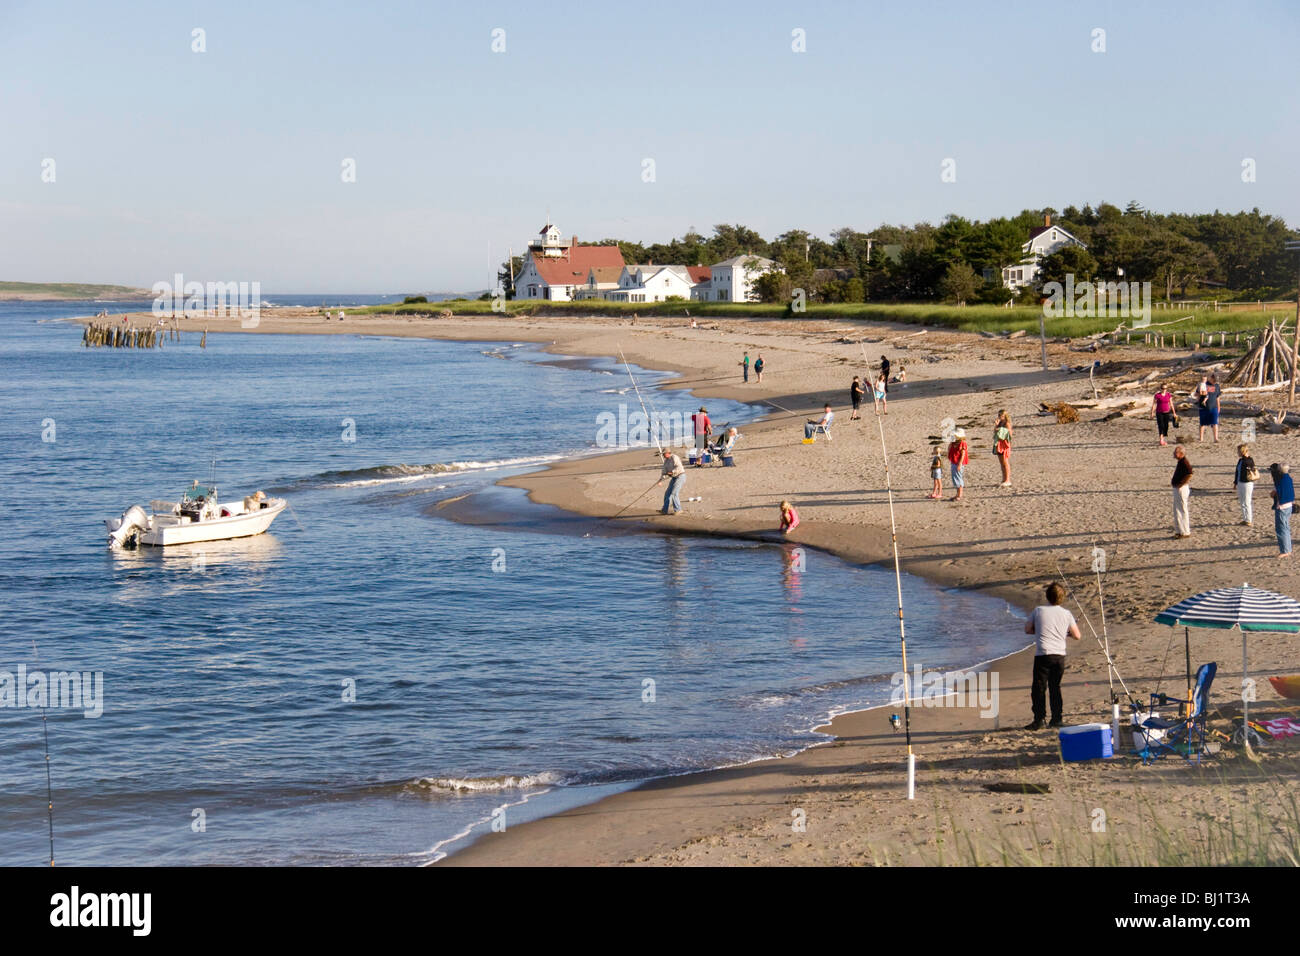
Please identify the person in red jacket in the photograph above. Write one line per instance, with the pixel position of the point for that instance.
(703, 429)
(958, 459)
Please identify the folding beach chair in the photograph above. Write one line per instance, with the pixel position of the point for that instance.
(1153, 737)
(822, 429)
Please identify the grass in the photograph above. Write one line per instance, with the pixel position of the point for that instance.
(971, 318)
(68, 290)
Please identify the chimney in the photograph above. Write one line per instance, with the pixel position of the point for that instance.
(1047, 220)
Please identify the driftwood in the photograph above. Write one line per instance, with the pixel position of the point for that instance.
(1064, 412)
(1268, 363)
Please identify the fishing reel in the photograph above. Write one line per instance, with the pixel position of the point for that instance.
(896, 722)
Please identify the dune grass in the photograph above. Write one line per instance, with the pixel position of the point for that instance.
(971, 318)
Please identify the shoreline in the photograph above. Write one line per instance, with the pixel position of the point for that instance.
(1078, 486)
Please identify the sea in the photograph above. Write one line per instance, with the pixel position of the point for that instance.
(370, 683)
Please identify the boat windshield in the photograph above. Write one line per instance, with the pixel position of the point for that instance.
(199, 491)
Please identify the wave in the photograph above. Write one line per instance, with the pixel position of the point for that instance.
(529, 781)
(400, 474)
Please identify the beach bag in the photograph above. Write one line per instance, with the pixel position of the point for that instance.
(1252, 474)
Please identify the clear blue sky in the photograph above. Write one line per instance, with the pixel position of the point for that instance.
(226, 165)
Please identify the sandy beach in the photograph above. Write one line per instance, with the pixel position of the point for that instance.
(1093, 483)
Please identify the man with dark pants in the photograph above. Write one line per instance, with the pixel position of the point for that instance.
(1051, 624)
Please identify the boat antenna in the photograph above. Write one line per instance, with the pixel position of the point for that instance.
(45, 727)
(651, 423)
(902, 632)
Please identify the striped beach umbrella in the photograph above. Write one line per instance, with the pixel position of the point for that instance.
(1245, 608)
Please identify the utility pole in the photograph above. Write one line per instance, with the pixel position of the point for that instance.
(1293, 245)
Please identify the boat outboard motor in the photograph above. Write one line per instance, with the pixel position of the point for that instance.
(123, 532)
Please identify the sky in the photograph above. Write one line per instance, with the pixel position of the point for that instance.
(229, 164)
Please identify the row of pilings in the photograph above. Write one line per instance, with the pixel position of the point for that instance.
(128, 337)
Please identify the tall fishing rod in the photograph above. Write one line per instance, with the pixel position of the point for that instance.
(651, 424)
(1110, 661)
(902, 633)
(45, 727)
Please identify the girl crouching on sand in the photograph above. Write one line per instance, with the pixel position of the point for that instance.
(789, 517)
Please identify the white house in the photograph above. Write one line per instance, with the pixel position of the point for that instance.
(1043, 241)
(733, 279)
(651, 283)
(559, 269)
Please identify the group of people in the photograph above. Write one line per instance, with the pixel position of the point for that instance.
(959, 458)
(1207, 396)
(1244, 476)
(758, 367)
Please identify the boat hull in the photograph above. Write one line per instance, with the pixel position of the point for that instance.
(245, 525)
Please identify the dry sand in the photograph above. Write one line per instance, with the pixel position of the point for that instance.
(1075, 487)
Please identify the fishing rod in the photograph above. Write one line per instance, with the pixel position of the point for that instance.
(651, 424)
(1110, 661)
(902, 633)
(45, 727)
(623, 509)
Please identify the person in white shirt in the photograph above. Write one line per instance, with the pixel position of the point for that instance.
(1051, 624)
(811, 427)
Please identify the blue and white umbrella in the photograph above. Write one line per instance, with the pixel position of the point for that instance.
(1245, 608)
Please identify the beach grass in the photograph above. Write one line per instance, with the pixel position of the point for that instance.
(1192, 321)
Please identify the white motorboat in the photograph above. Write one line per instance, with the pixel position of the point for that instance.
(198, 516)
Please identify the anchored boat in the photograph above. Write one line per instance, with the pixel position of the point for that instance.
(198, 516)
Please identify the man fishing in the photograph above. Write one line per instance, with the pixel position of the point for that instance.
(675, 472)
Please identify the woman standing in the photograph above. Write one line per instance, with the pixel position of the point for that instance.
(1209, 402)
(1182, 485)
(1243, 479)
(1283, 502)
(1002, 432)
(856, 391)
(758, 369)
(958, 459)
(1162, 410)
(881, 393)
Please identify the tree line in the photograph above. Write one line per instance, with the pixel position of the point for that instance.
(1225, 255)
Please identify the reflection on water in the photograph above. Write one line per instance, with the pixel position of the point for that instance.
(196, 567)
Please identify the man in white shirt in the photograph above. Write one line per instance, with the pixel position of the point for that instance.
(1051, 624)
(676, 474)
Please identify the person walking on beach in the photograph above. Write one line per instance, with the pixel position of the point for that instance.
(880, 393)
(758, 369)
(676, 474)
(1050, 624)
(789, 517)
(856, 391)
(1162, 410)
(1182, 484)
(1283, 504)
(703, 429)
(744, 364)
(936, 475)
(1244, 477)
(958, 459)
(1209, 402)
(1002, 432)
(884, 371)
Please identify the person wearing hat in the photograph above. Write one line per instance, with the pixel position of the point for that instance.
(958, 459)
(675, 472)
(703, 429)
(1283, 504)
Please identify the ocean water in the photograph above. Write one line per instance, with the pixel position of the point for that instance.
(368, 682)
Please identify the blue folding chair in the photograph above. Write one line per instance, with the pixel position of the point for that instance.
(1184, 736)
